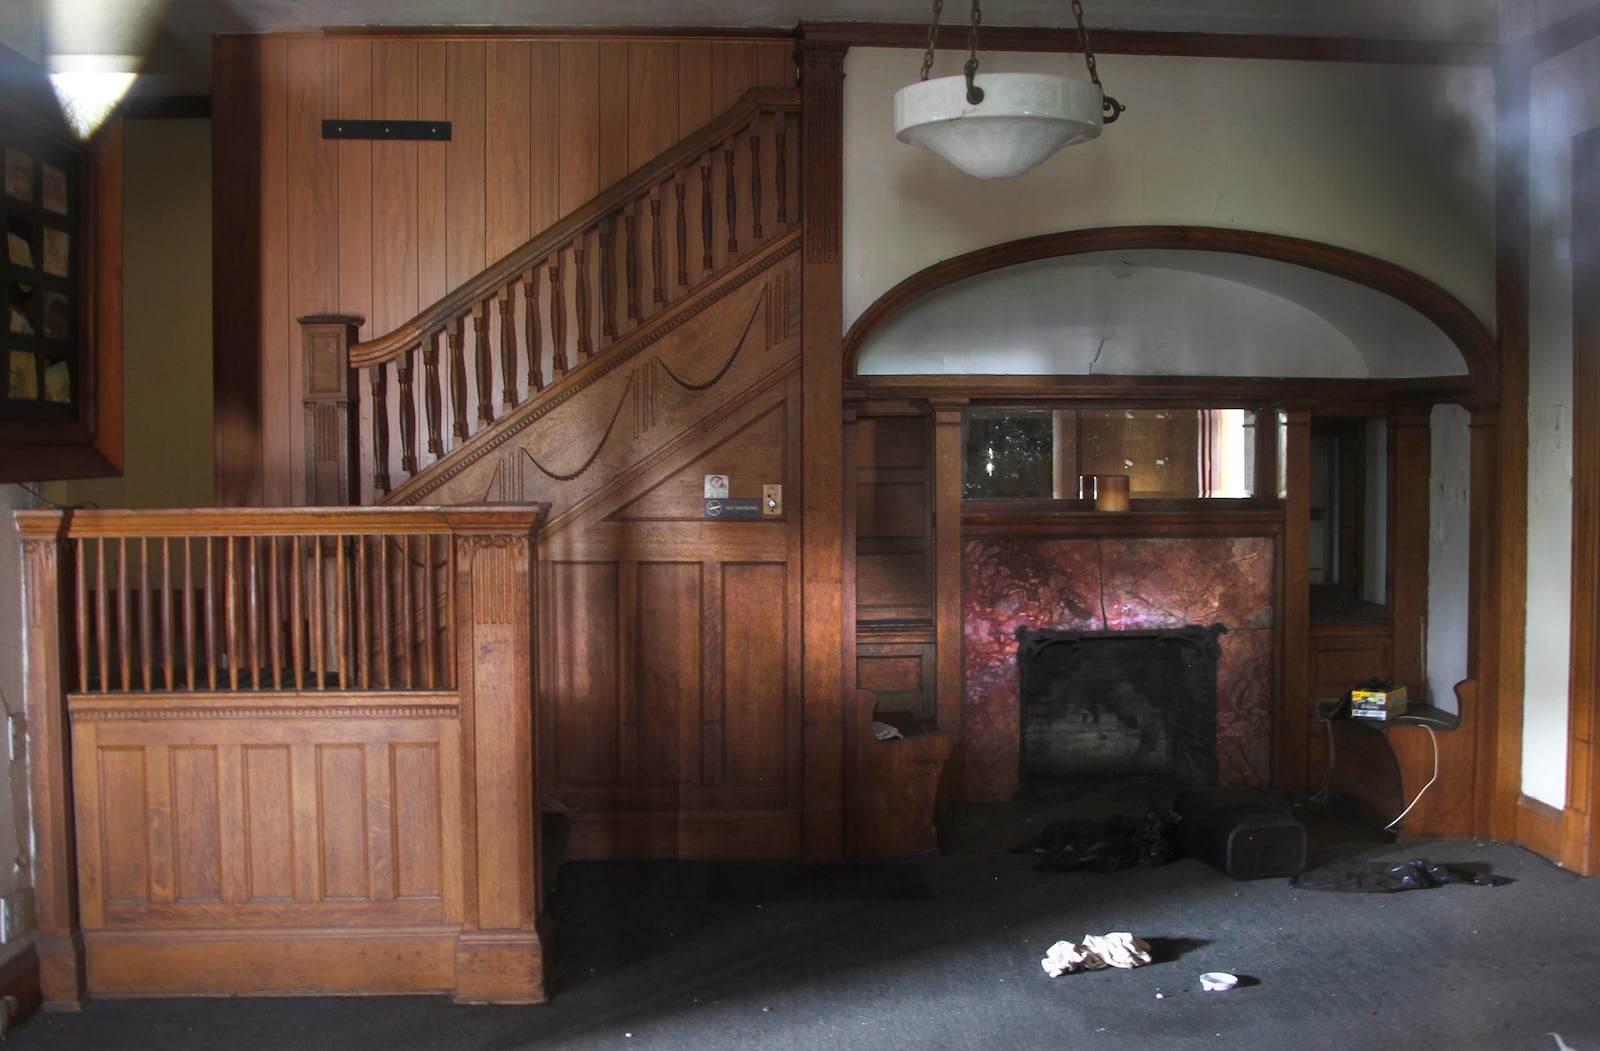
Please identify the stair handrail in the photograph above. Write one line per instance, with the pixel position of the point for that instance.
(392, 345)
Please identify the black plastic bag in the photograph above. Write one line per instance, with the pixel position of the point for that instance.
(1105, 846)
(1390, 877)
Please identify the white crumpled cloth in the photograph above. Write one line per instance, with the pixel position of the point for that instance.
(1117, 949)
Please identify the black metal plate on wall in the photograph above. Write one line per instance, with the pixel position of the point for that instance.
(410, 130)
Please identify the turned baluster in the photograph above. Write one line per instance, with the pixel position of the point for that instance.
(145, 626)
(630, 269)
(363, 642)
(166, 613)
(232, 648)
(731, 196)
(484, 363)
(508, 348)
(755, 185)
(433, 397)
(80, 608)
(380, 427)
(530, 322)
(581, 295)
(297, 613)
(608, 286)
(275, 609)
(655, 249)
(458, 379)
(782, 172)
(211, 614)
(705, 216)
(678, 190)
(408, 414)
(558, 321)
(190, 613)
(124, 653)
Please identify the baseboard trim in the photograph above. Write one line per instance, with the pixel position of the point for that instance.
(19, 980)
(1540, 829)
(278, 962)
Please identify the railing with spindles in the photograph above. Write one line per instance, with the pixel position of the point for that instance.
(349, 600)
(649, 241)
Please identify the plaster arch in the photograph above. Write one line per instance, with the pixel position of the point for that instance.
(1342, 301)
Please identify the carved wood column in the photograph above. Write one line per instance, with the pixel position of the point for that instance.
(1292, 719)
(500, 952)
(950, 684)
(822, 468)
(47, 607)
(331, 412)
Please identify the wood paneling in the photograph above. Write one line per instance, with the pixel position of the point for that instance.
(374, 229)
(585, 675)
(667, 689)
(755, 686)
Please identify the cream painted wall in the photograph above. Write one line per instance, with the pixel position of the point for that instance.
(1565, 103)
(166, 352)
(22, 28)
(1449, 491)
(1391, 161)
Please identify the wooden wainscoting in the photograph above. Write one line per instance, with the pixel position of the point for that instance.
(284, 752)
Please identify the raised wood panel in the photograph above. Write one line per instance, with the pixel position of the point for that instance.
(903, 677)
(753, 457)
(1339, 664)
(267, 821)
(196, 824)
(373, 229)
(892, 586)
(465, 162)
(582, 699)
(433, 188)
(755, 709)
(508, 147)
(713, 357)
(394, 189)
(892, 441)
(892, 508)
(666, 694)
(230, 822)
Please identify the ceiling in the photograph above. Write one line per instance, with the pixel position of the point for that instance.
(174, 35)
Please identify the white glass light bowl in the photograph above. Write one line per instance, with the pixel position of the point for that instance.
(1022, 120)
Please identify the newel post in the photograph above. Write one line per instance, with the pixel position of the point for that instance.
(47, 615)
(331, 410)
(500, 952)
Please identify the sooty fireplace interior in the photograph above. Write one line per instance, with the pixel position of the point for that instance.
(1119, 702)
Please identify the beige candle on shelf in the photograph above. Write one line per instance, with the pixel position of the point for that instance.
(1111, 492)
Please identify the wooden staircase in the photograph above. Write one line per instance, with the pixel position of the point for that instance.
(418, 406)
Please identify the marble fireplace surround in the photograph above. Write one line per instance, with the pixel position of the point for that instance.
(1105, 584)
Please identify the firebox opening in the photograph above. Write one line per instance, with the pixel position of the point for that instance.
(1119, 703)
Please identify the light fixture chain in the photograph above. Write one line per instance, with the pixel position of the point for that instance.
(1110, 108)
(972, 40)
(1083, 39)
(974, 93)
(933, 39)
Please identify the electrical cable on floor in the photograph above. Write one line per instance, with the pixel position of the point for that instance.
(1431, 737)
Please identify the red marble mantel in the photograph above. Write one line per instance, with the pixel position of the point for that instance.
(1099, 585)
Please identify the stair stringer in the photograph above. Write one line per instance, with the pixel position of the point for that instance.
(617, 410)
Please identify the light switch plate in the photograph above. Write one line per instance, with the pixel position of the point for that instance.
(772, 501)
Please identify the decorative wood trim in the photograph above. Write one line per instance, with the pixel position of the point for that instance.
(236, 145)
(949, 677)
(331, 411)
(1539, 828)
(19, 982)
(1135, 523)
(642, 34)
(1508, 611)
(1146, 42)
(1293, 711)
(1453, 318)
(1583, 700)
(47, 626)
(622, 352)
(1328, 397)
(288, 705)
(822, 478)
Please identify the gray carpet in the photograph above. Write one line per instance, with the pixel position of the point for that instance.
(643, 964)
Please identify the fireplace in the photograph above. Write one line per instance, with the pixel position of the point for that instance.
(1119, 702)
(1123, 584)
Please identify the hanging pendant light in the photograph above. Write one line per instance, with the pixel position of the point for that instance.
(1000, 125)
